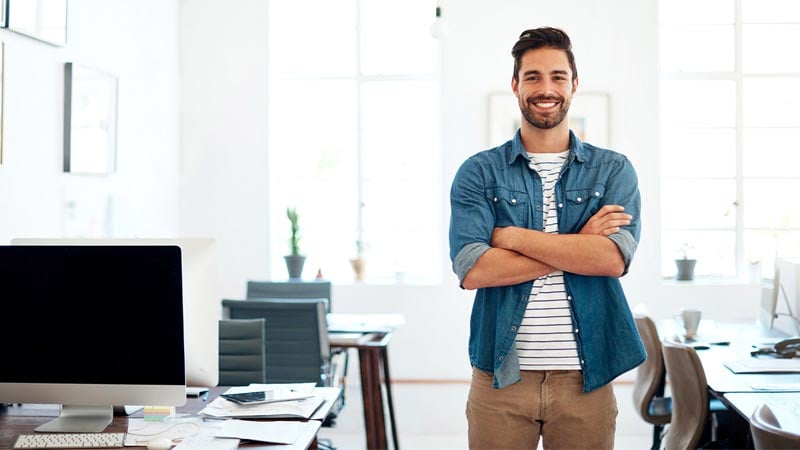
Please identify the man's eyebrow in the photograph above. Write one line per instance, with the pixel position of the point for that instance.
(552, 72)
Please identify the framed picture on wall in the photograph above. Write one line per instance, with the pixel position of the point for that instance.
(90, 120)
(42, 20)
(588, 117)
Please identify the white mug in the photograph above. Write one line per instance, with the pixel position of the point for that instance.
(691, 320)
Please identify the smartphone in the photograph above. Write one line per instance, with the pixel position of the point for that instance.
(251, 398)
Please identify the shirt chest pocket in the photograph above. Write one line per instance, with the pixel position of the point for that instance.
(590, 199)
(510, 207)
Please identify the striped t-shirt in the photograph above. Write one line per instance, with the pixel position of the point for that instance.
(545, 340)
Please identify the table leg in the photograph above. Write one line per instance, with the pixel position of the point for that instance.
(369, 360)
(388, 383)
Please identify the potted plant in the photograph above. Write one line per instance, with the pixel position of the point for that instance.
(685, 264)
(294, 260)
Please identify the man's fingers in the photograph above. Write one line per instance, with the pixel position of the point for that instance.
(611, 209)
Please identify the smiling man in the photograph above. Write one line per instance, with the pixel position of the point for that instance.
(543, 226)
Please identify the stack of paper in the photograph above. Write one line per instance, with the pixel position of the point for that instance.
(295, 409)
(755, 365)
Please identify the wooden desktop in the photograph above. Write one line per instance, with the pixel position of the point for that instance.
(23, 419)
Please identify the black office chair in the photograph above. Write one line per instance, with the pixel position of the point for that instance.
(296, 342)
(242, 352)
(290, 289)
(307, 290)
(296, 337)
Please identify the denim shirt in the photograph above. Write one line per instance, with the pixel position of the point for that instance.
(496, 188)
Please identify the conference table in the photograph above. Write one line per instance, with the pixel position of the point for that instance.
(743, 392)
(23, 419)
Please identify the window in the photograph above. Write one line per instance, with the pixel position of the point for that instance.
(730, 133)
(353, 137)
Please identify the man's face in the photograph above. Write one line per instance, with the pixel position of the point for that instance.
(545, 87)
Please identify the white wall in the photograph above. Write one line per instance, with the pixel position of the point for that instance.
(224, 190)
(212, 61)
(136, 41)
(224, 134)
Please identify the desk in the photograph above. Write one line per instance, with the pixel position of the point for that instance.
(16, 420)
(373, 358)
(737, 391)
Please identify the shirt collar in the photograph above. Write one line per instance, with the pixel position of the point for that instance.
(576, 149)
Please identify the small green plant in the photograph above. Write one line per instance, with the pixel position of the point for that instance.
(294, 240)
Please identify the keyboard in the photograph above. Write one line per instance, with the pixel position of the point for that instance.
(70, 440)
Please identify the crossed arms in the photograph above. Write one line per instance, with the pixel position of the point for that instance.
(519, 254)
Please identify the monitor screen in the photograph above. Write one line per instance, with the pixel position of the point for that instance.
(91, 326)
(201, 298)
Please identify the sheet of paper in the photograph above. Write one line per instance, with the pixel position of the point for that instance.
(773, 387)
(283, 432)
(206, 439)
(299, 387)
(141, 431)
(755, 365)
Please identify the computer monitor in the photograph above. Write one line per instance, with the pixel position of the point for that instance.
(786, 296)
(201, 299)
(89, 327)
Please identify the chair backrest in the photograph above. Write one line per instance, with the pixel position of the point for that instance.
(296, 338)
(651, 375)
(687, 381)
(767, 431)
(290, 289)
(242, 353)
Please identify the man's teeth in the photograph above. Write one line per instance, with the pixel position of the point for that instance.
(546, 105)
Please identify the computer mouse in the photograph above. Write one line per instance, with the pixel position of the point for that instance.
(159, 443)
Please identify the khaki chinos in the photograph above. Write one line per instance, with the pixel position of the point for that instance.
(548, 403)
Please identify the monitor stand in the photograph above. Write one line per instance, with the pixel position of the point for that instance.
(126, 410)
(79, 419)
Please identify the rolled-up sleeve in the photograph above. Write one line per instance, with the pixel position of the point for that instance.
(623, 189)
(471, 218)
(627, 246)
(467, 257)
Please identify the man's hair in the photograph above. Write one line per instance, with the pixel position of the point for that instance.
(539, 38)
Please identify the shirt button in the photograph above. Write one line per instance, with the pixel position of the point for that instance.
(495, 199)
(596, 194)
(579, 199)
(538, 208)
(513, 328)
(582, 361)
(513, 201)
(560, 205)
(569, 297)
(500, 358)
(576, 330)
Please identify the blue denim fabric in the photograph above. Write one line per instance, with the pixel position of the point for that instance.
(495, 188)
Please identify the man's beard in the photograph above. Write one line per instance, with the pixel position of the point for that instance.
(547, 121)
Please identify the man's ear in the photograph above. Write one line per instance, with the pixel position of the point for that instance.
(574, 85)
(515, 86)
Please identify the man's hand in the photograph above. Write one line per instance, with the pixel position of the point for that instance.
(503, 237)
(606, 221)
